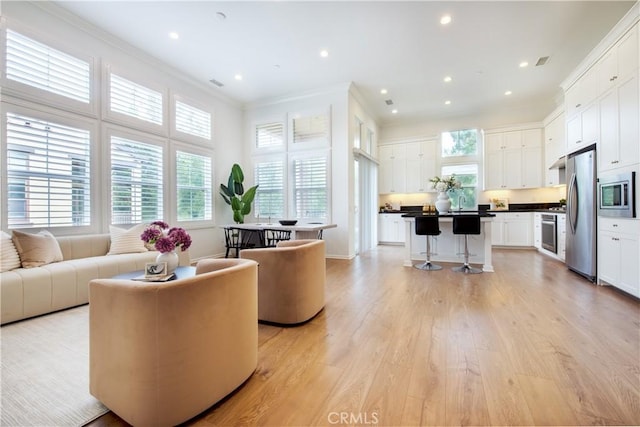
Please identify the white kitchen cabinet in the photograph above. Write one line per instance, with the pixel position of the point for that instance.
(391, 228)
(512, 229)
(583, 128)
(420, 165)
(619, 62)
(513, 159)
(618, 254)
(554, 149)
(582, 93)
(392, 168)
(537, 230)
(620, 125)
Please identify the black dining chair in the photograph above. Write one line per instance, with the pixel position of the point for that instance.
(428, 226)
(273, 236)
(466, 225)
(239, 238)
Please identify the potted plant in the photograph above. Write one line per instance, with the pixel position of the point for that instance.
(234, 194)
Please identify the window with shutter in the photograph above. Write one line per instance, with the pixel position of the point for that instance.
(193, 121)
(48, 173)
(193, 186)
(134, 100)
(310, 131)
(40, 66)
(136, 181)
(270, 136)
(310, 187)
(270, 195)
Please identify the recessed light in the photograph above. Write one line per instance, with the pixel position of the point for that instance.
(238, 77)
(383, 91)
(524, 64)
(508, 93)
(174, 36)
(447, 102)
(447, 79)
(446, 19)
(394, 111)
(324, 53)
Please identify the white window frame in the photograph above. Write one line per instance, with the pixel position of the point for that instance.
(42, 96)
(121, 132)
(465, 160)
(320, 143)
(187, 137)
(173, 190)
(301, 155)
(54, 115)
(285, 184)
(267, 150)
(130, 121)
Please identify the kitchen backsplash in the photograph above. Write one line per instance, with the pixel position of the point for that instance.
(538, 195)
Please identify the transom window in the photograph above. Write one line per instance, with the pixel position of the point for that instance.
(193, 121)
(270, 135)
(460, 143)
(134, 100)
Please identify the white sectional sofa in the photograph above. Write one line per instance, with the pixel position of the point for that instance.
(27, 292)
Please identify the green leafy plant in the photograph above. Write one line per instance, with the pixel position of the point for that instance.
(234, 194)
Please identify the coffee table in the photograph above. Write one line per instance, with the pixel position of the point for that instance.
(181, 273)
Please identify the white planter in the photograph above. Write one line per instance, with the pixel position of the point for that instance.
(171, 258)
(443, 203)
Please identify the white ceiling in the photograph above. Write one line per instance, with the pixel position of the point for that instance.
(400, 46)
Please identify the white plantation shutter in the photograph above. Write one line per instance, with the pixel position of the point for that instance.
(310, 187)
(270, 135)
(311, 129)
(193, 121)
(38, 65)
(193, 177)
(134, 100)
(136, 181)
(269, 201)
(48, 173)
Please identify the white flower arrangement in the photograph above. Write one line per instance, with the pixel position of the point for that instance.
(445, 183)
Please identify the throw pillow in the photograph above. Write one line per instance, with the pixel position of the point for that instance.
(9, 258)
(126, 241)
(37, 249)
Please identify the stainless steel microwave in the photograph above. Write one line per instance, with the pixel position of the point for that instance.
(616, 195)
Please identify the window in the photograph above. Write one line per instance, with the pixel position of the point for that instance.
(467, 174)
(311, 131)
(134, 100)
(136, 181)
(270, 195)
(310, 187)
(270, 135)
(460, 143)
(193, 178)
(193, 121)
(48, 173)
(37, 65)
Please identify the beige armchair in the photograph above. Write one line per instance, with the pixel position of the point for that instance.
(161, 353)
(291, 280)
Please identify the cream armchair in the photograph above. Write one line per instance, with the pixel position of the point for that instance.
(291, 280)
(161, 353)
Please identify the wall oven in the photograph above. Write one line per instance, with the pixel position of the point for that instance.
(549, 236)
(616, 195)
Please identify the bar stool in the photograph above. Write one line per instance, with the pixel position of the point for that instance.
(428, 226)
(466, 224)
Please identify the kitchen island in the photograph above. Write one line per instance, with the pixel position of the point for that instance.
(449, 247)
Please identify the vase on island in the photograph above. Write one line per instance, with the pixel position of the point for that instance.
(171, 258)
(443, 202)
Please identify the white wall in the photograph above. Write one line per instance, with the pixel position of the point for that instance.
(51, 23)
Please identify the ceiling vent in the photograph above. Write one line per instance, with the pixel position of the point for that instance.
(542, 60)
(388, 102)
(217, 83)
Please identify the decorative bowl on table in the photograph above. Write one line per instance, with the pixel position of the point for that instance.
(288, 221)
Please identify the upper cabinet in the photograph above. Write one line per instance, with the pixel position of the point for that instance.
(554, 149)
(407, 167)
(513, 159)
(619, 62)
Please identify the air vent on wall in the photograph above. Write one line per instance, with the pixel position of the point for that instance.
(542, 60)
(388, 102)
(217, 83)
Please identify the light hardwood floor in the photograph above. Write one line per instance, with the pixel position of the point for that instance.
(531, 344)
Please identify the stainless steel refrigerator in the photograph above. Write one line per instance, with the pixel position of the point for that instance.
(580, 253)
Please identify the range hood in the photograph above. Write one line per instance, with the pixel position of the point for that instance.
(561, 163)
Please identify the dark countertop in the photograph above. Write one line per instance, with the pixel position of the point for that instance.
(482, 214)
(513, 207)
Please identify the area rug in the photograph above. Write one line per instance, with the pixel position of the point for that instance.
(45, 371)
